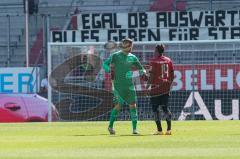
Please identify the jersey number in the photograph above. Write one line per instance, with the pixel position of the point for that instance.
(164, 71)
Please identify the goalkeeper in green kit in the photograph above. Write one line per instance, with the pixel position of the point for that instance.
(121, 64)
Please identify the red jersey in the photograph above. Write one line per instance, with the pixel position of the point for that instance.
(161, 75)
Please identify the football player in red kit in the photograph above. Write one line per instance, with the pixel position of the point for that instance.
(159, 86)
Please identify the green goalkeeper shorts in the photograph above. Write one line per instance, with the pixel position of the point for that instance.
(122, 96)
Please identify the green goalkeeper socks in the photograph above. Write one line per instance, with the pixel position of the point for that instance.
(133, 114)
(113, 116)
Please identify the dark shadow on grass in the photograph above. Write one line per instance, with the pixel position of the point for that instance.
(130, 135)
(91, 135)
(112, 135)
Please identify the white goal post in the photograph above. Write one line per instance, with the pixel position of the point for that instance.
(206, 84)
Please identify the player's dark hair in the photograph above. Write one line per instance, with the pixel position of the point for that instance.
(160, 48)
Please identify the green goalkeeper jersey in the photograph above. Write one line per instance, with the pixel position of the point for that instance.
(123, 64)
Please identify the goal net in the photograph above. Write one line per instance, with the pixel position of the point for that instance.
(206, 84)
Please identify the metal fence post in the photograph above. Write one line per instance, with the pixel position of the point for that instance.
(27, 32)
(9, 40)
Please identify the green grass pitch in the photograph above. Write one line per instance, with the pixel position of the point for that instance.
(90, 140)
